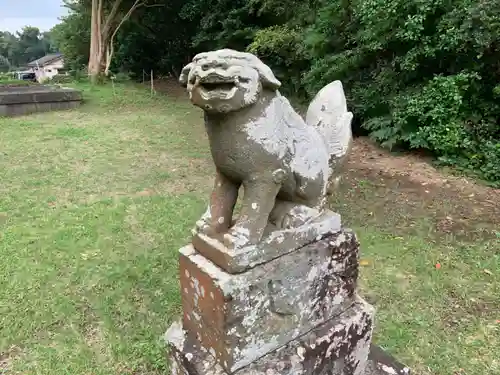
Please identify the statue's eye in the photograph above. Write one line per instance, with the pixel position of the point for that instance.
(222, 65)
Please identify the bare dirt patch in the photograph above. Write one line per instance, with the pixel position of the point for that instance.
(8, 357)
(415, 169)
(169, 87)
(457, 205)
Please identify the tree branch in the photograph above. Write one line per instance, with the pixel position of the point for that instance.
(110, 19)
(110, 47)
(98, 27)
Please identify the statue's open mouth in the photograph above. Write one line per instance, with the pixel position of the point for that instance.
(217, 87)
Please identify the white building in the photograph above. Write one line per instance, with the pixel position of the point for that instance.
(48, 66)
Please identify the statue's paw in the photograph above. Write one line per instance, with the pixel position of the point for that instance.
(201, 227)
(235, 238)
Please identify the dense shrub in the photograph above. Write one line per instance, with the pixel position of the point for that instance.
(61, 78)
(421, 74)
(5, 76)
(282, 48)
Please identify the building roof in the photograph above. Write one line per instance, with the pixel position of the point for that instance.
(47, 59)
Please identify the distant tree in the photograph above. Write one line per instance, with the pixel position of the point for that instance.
(48, 42)
(155, 40)
(27, 45)
(7, 45)
(107, 16)
(4, 64)
(72, 35)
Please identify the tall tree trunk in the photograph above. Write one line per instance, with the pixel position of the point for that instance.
(102, 36)
(95, 41)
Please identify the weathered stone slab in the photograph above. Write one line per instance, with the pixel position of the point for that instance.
(275, 244)
(38, 94)
(239, 318)
(340, 346)
(28, 108)
(23, 100)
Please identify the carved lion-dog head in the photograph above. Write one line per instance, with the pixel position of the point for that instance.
(226, 80)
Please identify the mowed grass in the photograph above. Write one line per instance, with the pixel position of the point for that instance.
(95, 202)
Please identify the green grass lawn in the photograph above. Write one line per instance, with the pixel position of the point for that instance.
(95, 202)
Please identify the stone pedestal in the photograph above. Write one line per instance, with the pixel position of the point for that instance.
(339, 346)
(240, 318)
(296, 314)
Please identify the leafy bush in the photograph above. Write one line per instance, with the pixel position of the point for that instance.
(61, 78)
(4, 64)
(79, 75)
(5, 76)
(282, 48)
(422, 74)
(121, 77)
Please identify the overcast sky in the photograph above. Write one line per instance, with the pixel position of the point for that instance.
(44, 14)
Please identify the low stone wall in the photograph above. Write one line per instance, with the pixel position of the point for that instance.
(23, 100)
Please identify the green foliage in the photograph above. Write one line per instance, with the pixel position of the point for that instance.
(154, 39)
(222, 23)
(61, 78)
(19, 49)
(121, 77)
(78, 75)
(72, 35)
(428, 116)
(282, 48)
(418, 74)
(4, 64)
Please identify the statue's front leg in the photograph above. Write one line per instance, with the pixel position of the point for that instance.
(258, 201)
(218, 217)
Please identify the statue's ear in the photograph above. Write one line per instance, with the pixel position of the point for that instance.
(183, 77)
(267, 77)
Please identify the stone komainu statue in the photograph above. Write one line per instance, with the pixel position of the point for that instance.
(286, 165)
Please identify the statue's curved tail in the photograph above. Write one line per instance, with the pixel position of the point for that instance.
(329, 115)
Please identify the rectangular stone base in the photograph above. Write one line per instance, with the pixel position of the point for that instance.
(338, 347)
(22, 109)
(23, 100)
(245, 316)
